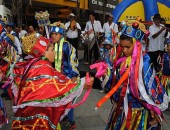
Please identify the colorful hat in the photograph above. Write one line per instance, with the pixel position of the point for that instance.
(58, 27)
(134, 29)
(35, 45)
(57, 30)
(10, 24)
(108, 41)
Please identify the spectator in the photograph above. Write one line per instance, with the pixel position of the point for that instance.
(72, 32)
(92, 30)
(156, 41)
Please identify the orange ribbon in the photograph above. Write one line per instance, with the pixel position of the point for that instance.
(114, 89)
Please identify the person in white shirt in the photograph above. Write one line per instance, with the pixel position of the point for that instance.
(22, 32)
(156, 41)
(72, 31)
(110, 27)
(92, 30)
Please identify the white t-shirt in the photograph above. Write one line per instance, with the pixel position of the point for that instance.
(22, 33)
(70, 33)
(17, 43)
(157, 43)
(97, 28)
(168, 36)
(108, 28)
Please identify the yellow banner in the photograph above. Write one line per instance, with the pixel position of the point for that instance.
(133, 11)
(83, 3)
(165, 12)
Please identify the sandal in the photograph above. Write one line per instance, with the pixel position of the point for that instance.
(72, 126)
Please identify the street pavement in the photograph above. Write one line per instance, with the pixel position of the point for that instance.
(87, 118)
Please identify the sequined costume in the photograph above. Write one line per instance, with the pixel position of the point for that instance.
(65, 60)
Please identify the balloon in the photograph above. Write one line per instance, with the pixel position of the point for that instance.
(123, 23)
(135, 25)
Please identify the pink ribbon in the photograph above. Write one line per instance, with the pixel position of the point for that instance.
(101, 68)
(79, 103)
(6, 83)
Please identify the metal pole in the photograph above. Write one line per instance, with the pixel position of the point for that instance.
(104, 7)
(78, 11)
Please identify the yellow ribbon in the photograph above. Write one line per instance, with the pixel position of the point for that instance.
(58, 56)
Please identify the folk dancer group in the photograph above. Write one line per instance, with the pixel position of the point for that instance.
(43, 93)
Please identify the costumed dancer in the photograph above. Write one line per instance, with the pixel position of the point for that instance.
(166, 69)
(66, 61)
(3, 114)
(107, 53)
(40, 93)
(138, 97)
(10, 51)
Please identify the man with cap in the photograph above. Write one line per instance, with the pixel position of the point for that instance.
(156, 41)
(110, 27)
(72, 32)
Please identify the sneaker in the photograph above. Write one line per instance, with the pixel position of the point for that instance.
(86, 63)
(72, 126)
(102, 91)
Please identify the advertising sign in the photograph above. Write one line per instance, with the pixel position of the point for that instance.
(97, 5)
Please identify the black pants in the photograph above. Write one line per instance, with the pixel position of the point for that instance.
(94, 50)
(154, 59)
(74, 43)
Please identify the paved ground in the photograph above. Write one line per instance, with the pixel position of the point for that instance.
(85, 115)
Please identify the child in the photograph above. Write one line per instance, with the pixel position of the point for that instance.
(139, 97)
(41, 94)
(166, 69)
(66, 61)
(106, 54)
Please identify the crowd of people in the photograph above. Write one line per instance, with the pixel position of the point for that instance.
(42, 78)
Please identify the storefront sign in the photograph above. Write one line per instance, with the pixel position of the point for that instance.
(97, 5)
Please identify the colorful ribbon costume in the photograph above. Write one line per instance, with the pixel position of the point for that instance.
(137, 92)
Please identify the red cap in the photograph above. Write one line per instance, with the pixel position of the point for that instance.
(40, 46)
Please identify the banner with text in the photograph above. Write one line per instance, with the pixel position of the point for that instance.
(97, 5)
